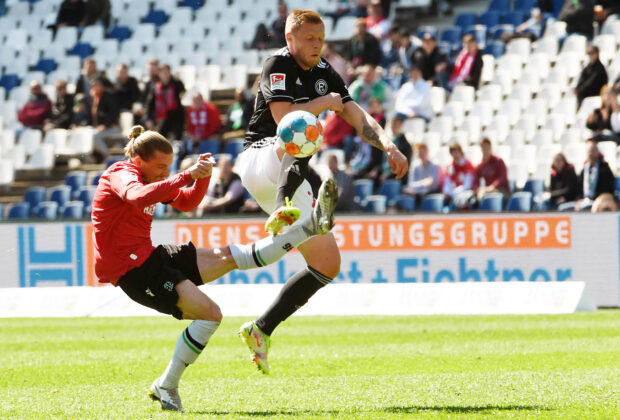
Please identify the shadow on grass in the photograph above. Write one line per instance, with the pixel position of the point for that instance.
(395, 410)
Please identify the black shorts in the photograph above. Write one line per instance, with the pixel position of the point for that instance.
(152, 284)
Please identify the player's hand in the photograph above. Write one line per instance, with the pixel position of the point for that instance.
(334, 102)
(398, 161)
(207, 157)
(201, 169)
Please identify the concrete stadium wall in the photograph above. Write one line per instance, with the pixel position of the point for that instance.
(546, 247)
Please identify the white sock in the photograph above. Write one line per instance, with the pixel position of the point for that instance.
(189, 345)
(268, 250)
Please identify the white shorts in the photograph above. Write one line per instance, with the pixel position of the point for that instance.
(259, 168)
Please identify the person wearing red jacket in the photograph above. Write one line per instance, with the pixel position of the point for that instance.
(203, 119)
(491, 172)
(459, 179)
(166, 278)
(37, 109)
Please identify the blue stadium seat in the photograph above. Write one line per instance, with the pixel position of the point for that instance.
(86, 194)
(520, 201)
(445, 47)
(194, 4)
(119, 33)
(34, 196)
(617, 187)
(495, 48)
(404, 202)
(73, 210)
(492, 202)
(501, 6)
(452, 35)
(96, 180)
(432, 203)
(60, 194)
(557, 6)
(156, 17)
(489, 19)
(426, 29)
(9, 81)
(82, 50)
(46, 65)
(233, 147)
(515, 17)
(535, 186)
(524, 5)
(363, 188)
(464, 20)
(160, 210)
(375, 204)
(47, 210)
(76, 180)
(209, 146)
(1, 211)
(19, 211)
(480, 33)
(498, 30)
(390, 189)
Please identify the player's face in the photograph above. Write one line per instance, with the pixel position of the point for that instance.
(156, 168)
(306, 44)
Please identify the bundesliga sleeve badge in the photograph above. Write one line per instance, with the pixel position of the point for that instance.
(278, 81)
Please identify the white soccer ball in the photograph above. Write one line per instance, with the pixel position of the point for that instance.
(300, 134)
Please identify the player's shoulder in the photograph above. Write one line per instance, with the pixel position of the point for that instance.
(282, 56)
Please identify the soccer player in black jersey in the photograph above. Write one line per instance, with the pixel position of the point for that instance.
(297, 78)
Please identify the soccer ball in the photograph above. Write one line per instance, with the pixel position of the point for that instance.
(300, 134)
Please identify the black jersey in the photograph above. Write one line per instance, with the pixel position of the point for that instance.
(283, 80)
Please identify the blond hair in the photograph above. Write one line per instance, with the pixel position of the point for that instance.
(145, 143)
(299, 16)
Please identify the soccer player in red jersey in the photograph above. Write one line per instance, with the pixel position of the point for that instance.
(166, 278)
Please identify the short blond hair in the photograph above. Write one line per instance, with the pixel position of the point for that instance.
(145, 143)
(299, 16)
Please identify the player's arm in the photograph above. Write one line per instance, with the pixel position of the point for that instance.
(187, 199)
(331, 101)
(372, 133)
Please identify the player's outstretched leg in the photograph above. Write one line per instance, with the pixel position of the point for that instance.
(320, 222)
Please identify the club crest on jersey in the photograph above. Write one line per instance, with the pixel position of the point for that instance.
(278, 81)
(321, 87)
(150, 210)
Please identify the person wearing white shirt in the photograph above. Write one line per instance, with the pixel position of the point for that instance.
(413, 98)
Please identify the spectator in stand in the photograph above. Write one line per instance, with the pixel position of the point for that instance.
(274, 37)
(151, 77)
(611, 98)
(413, 98)
(97, 11)
(491, 172)
(531, 28)
(363, 48)
(377, 24)
(335, 131)
(390, 49)
(610, 7)
(126, 88)
(595, 178)
(37, 109)
(592, 78)
(424, 177)
(368, 86)
(459, 179)
(604, 121)
(71, 13)
(346, 192)
(104, 117)
(227, 193)
(81, 112)
(203, 120)
(468, 64)
(164, 110)
(579, 16)
(564, 185)
(89, 73)
(432, 61)
(62, 108)
(407, 48)
(336, 61)
(239, 113)
(400, 140)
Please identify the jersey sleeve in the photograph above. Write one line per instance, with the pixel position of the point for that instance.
(277, 82)
(337, 85)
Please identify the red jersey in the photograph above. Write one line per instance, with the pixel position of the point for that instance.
(203, 122)
(122, 214)
(458, 172)
(494, 173)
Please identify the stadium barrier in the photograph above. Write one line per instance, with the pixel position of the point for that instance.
(455, 248)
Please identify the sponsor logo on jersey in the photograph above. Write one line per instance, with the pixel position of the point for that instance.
(321, 87)
(128, 177)
(150, 210)
(278, 81)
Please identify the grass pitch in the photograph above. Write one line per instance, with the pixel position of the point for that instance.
(565, 366)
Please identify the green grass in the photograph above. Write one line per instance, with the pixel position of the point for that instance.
(564, 366)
